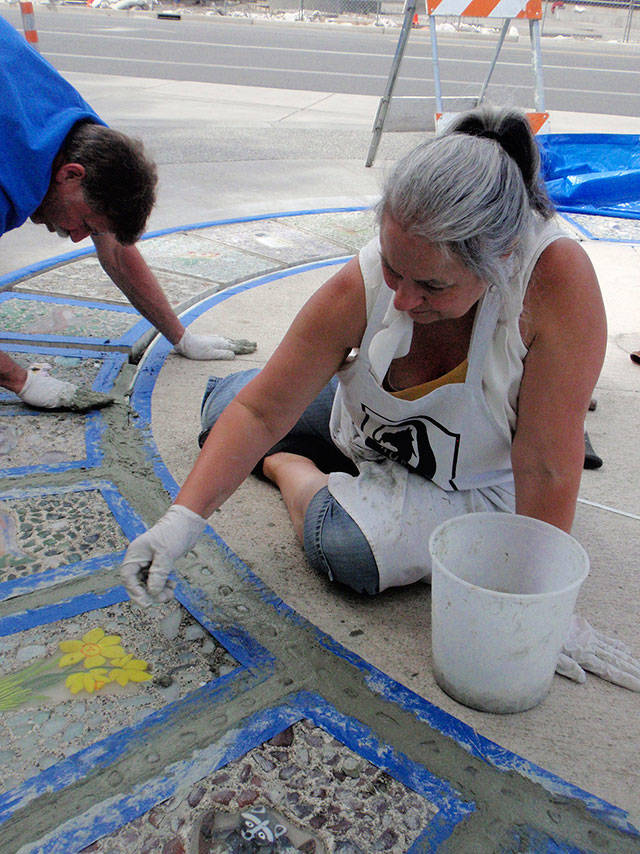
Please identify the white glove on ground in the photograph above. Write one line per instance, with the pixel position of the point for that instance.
(150, 557)
(587, 649)
(45, 392)
(204, 347)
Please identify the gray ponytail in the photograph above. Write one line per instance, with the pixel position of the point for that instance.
(474, 191)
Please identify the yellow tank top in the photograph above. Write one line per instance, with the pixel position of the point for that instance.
(456, 375)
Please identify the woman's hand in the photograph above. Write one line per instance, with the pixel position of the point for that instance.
(150, 557)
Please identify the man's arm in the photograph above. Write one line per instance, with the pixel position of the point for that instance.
(128, 270)
(12, 375)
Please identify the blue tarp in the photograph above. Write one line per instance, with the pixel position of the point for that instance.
(593, 173)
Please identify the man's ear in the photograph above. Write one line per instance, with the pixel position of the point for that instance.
(70, 172)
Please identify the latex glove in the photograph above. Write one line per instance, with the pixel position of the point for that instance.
(43, 391)
(587, 649)
(203, 347)
(150, 557)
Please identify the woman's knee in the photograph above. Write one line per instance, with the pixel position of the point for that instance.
(336, 547)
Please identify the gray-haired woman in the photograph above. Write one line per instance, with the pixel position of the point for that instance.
(460, 349)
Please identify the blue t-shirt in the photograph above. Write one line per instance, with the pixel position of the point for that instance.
(38, 108)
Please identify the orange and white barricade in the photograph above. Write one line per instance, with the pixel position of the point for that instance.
(409, 115)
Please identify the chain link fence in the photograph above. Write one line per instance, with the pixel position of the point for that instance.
(615, 20)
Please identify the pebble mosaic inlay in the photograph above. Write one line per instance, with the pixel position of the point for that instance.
(208, 259)
(86, 279)
(608, 228)
(279, 240)
(49, 439)
(325, 796)
(60, 717)
(353, 229)
(42, 317)
(45, 531)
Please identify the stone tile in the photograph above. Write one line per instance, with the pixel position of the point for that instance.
(278, 240)
(48, 439)
(81, 279)
(192, 254)
(85, 279)
(45, 531)
(35, 316)
(303, 790)
(353, 229)
(50, 722)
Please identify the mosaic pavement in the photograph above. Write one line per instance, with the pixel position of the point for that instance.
(228, 723)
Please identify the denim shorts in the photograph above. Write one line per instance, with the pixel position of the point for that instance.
(334, 544)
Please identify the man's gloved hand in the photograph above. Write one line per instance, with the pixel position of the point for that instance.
(150, 557)
(43, 391)
(587, 649)
(204, 347)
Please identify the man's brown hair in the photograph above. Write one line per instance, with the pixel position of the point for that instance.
(120, 180)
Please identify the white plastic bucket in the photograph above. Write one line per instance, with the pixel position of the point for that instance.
(503, 590)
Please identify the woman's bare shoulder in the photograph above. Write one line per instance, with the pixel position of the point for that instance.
(563, 295)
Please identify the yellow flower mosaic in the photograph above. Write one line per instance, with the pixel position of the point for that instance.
(128, 669)
(94, 649)
(87, 680)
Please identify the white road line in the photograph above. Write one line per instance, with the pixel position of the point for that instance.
(319, 73)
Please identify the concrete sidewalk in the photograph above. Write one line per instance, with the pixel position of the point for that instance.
(276, 701)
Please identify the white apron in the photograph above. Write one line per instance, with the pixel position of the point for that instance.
(422, 461)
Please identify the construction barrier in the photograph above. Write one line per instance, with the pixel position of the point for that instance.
(412, 116)
(29, 22)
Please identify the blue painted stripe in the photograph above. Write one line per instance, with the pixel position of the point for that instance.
(51, 578)
(40, 266)
(236, 640)
(29, 619)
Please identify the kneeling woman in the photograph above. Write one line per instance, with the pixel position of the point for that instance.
(445, 370)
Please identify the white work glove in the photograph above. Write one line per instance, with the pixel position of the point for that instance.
(204, 347)
(45, 392)
(150, 557)
(587, 649)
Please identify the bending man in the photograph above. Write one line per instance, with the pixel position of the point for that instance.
(63, 168)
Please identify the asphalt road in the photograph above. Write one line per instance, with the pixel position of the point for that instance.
(579, 75)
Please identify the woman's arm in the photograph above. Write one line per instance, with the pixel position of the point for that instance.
(564, 325)
(319, 339)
